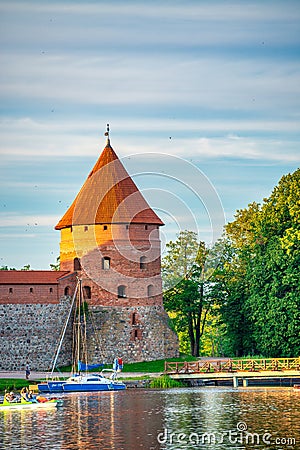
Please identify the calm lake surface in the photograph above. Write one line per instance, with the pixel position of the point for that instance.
(188, 418)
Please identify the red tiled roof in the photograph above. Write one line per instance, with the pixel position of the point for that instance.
(31, 276)
(108, 195)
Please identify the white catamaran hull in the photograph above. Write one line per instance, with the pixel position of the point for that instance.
(90, 383)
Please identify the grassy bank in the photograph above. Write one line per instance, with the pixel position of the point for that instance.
(144, 366)
(165, 382)
(13, 384)
(154, 366)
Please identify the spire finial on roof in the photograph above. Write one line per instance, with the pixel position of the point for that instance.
(107, 135)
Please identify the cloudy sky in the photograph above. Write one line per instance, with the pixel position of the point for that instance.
(202, 98)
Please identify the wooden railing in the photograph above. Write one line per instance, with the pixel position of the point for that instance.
(232, 365)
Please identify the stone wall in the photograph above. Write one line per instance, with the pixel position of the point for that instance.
(31, 333)
(140, 333)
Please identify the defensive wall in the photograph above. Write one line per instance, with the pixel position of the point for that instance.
(30, 333)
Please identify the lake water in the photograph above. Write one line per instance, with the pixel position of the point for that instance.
(189, 418)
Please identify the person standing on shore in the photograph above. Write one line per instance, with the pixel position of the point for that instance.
(27, 371)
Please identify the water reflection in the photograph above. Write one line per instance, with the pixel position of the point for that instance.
(136, 419)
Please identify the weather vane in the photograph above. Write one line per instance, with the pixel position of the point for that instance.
(107, 131)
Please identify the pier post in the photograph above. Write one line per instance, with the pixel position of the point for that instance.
(235, 382)
(245, 382)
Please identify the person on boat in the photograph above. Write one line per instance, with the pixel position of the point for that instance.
(10, 397)
(24, 394)
(31, 397)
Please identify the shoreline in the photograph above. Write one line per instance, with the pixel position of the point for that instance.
(34, 375)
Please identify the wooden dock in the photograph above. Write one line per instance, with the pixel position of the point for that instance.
(234, 369)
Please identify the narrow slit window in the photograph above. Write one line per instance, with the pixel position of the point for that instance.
(76, 263)
(87, 293)
(150, 290)
(122, 291)
(106, 263)
(143, 262)
(67, 290)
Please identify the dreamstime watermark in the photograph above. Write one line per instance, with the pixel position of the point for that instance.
(237, 439)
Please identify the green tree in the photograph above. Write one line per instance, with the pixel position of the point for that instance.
(230, 289)
(56, 266)
(186, 279)
(261, 278)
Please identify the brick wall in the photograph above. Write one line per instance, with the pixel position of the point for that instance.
(133, 252)
(35, 293)
(31, 294)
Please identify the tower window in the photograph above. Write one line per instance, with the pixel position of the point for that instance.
(87, 292)
(105, 227)
(51, 290)
(106, 263)
(127, 227)
(77, 265)
(31, 290)
(10, 290)
(143, 262)
(86, 228)
(121, 291)
(146, 227)
(150, 290)
(136, 334)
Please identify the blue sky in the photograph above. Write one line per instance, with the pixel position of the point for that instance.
(202, 98)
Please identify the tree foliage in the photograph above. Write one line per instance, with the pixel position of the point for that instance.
(56, 266)
(186, 277)
(260, 278)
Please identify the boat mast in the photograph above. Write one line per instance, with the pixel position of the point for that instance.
(64, 329)
(78, 343)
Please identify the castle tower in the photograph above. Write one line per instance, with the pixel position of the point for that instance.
(110, 237)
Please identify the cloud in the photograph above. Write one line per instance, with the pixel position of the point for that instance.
(211, 83)
(156, 23)
(15, 219)
(27, 138)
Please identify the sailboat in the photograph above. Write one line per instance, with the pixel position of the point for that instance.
(81, 380)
